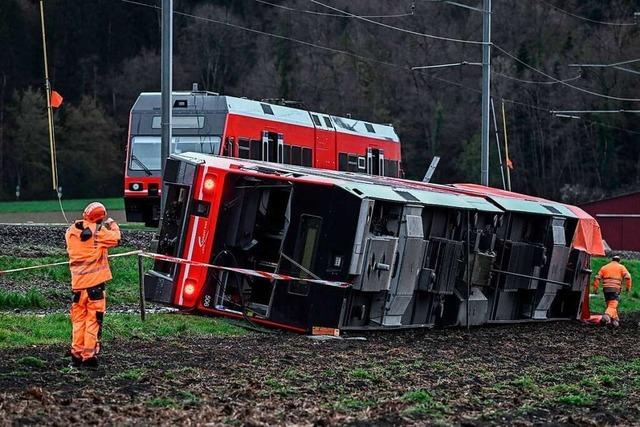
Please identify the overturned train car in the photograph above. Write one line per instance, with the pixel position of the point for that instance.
(412, 254)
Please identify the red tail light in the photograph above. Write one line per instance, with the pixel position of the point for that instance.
(189, 289)
(209, 183)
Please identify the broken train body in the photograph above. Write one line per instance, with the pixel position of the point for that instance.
(412, 254)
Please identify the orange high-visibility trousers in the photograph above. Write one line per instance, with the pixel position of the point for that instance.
(612, 309)
(87, 314)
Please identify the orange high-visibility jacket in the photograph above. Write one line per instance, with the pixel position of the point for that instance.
(87, 245)
(612, 275)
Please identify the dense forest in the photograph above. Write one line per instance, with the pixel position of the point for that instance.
(103, 53)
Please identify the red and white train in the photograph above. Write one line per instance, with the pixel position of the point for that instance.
(382, 252)
(210, 123)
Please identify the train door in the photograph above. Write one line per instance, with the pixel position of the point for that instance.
(375, 161)
(228, 149)
(272, 147)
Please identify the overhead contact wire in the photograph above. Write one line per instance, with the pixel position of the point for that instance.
(403, 30)
(593, 21)
(337, 15)
(550, 77)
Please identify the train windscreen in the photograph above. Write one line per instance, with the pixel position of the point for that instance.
(145, 153)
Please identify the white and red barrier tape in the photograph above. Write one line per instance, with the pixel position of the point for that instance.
(176, 260)
(247, 272)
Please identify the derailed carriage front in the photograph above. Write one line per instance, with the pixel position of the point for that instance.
(412, 254)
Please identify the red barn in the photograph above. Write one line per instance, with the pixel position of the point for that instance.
(619, 219)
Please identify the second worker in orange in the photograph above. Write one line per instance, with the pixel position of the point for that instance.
(612, 275)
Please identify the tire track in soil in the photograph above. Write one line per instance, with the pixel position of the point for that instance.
(287, 379)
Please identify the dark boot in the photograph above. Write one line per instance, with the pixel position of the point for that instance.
(91, 362)
(76, 361)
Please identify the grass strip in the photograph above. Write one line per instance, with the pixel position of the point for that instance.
(77, 205)
(26, 330)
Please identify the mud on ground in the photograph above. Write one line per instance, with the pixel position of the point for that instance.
(561, 373)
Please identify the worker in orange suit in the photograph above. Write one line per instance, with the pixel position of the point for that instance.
(612, 275)
(88, 241)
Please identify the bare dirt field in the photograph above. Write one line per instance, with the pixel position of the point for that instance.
(563, 373)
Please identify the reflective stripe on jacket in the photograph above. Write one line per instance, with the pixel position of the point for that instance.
(87, 245)
(612, 275)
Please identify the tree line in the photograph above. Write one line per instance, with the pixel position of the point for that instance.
(103, 53)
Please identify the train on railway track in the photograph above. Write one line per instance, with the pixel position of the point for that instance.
(365, 251)
(275, 131)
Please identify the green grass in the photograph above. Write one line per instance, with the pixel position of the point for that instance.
(278, 387)
(525, 382)
(30, 299)
(134, 374)
(31, 361)
(418, 396)
(72, 205)
(362, 374)
(354, 404)
(26, 330)
(122, 289)
(162, 402)
(578, 399)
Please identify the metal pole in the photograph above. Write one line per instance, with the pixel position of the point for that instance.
(166, 87)
(506, 147)
(468, 258)
(141, 286)
(486, 89)
(495, 129)
(52, 146)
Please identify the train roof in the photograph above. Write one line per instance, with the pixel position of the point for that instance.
(478, 198)
(200, 102)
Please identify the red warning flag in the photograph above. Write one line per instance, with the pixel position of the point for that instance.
(56, 99)
(509, 164)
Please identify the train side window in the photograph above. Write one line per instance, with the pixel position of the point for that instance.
(296, 155)
(343, 161)
(256, 149)
(328, 122)
(353, 163)
(369, 128)
(316, 120)
(299, 288)
(391, 168)
(244, 148)
(362, 163)
(305, 250)
(287, 154)
(307, 155)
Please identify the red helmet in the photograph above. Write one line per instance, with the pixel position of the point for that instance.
(94, 212)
